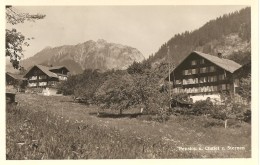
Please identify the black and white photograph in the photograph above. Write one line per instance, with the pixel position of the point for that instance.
(129, 82)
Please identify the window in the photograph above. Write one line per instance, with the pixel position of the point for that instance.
(194, 71)
(212, 78)
(203, 70)
(203, 79)
(236, 83)
(177, 81)
(33, 78)
(42, 77)
(222, 77)
(176, 90)
(189, 72)
(223, 86)
(193, 62)
(42, 83)
(61, 78)
(212, 69)
(215, 88)
(185, 72)
(32, 84)
(190, 81)
(184, 81)
(228, 86)
(52, 83)
(196, 80)
(202, 61)
(210, 88)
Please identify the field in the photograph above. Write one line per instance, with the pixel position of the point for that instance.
(54, 127)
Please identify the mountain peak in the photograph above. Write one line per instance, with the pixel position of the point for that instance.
(101, 41)
(88, 55)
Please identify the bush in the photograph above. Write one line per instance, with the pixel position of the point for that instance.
(162, 115)
(202, 107)
(232, 110)
(182, 111)
(247, 116)
(139, 68)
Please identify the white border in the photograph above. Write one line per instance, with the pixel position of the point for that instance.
(255, 74)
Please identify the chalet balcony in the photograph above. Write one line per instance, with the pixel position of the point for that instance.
(204, 89)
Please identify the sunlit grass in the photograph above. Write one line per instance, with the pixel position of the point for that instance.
(54, 128)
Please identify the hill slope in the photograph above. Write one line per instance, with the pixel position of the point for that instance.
(229, 34)
(88, 55)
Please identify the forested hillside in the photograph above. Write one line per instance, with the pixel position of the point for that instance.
(229, 34)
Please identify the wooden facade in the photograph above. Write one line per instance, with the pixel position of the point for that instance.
(203, 74)
(60, 71)
(43, 76)
(15, 82)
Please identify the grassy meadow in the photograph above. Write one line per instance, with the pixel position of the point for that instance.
(54, 127)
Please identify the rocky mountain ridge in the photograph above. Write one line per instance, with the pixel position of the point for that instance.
(88, 55)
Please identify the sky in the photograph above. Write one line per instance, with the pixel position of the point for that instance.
(143, 27)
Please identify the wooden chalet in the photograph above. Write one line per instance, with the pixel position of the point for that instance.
(15, 82)
(204, 76)
(44, 76)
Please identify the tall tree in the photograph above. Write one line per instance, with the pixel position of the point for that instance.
(16, 40)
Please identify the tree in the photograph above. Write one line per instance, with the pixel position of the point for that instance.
(245, 88)
(16, 40)
(139, 68)
(122, 92)
(88, 83)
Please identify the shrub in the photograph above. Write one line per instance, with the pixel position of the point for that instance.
(162, 115)
(139, 68)
(247, 116)
(202, 107)
(182, 111)
(233, 110)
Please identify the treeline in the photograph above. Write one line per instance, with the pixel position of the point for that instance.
(181, 45)
(138, 86)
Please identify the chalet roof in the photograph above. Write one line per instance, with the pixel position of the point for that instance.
(46, 70)
(246, 67)
(243, 71)
(16, 76)
(56, 67)
(226, 64)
